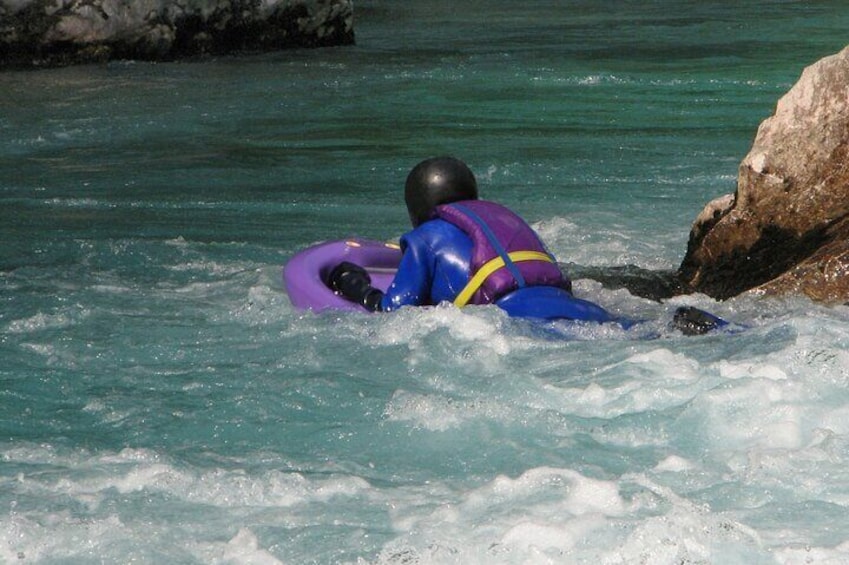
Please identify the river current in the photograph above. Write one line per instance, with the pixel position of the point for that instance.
(162, 402)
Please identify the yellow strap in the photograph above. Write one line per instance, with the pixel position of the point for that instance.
(493, 265)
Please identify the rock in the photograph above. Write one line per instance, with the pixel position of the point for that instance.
(786, 228)
(646, 283)
(60, 32)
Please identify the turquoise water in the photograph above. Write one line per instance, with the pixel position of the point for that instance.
(162, 402)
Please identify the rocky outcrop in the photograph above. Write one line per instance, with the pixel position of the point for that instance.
(57, 32)
(786, 228)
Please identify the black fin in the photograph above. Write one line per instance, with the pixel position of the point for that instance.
(692, 321)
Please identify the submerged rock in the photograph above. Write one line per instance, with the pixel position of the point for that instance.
(59, 32)
(646, 283)
(786, 228)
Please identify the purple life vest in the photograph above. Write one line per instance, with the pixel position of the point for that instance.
(496, 232)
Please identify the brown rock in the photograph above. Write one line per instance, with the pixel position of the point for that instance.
(786, 228)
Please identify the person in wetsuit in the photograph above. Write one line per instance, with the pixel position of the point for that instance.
(469, 251)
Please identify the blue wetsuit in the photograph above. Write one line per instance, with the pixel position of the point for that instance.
(435, 268)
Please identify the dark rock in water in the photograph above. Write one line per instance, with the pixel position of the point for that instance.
(786, 228)
(49, 32)
(645, 283)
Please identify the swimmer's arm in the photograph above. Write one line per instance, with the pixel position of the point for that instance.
(412, 282)
(354, 283)
(410, 287)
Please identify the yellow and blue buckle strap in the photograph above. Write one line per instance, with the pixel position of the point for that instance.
(493, 241)
(493, 265)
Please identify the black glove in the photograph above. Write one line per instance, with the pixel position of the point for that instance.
(354, 283)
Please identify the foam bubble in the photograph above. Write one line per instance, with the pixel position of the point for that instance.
(437, 412)
(538, 539)
(542, 514)
(654, 379)
(757, 412)
(835, 419)
(244, 548)
(614, 244)
(675, 464)
(466, 336)
(425, 411)
(806, 555)
(745, 369)
(46, 321)
(80, 520)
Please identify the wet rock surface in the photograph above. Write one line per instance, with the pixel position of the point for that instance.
(51, 33)
(786, 228)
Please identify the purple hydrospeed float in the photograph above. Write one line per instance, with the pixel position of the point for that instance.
(306, 274)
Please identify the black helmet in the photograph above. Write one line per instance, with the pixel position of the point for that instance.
(436, 181)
